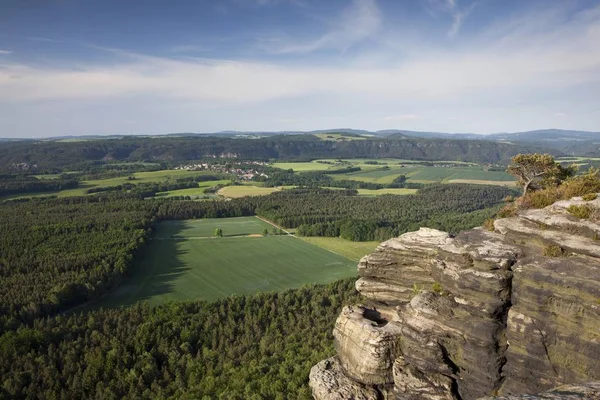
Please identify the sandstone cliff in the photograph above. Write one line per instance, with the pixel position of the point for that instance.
(502, 313)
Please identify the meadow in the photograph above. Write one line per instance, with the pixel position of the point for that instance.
(185, 262)
(236, 191)
(351, 250)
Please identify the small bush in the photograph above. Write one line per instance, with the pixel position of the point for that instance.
(540, 198)
(554, 251)
(581, 185)
(507, 211)
(590, 196)
(416, 289)
(437, 288)
(489, 225)
(582, 212)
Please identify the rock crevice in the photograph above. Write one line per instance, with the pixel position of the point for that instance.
(480, 314)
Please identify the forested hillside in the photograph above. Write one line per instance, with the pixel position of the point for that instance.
(74, 155)
(254, 347)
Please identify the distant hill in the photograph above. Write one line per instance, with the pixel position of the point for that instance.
(47, 155)
(547, 135)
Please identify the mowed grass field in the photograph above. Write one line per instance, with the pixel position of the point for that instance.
(184, 262)
(352, 250)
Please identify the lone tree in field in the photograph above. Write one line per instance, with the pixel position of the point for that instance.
(265, 232)
(538, 171)
(219, 232)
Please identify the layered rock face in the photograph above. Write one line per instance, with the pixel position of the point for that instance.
(510, 312)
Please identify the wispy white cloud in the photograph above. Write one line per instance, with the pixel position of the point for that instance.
(458, 17)
(355, 24)
(560, 114)
(509, 72)
(5, 52)
(457, 12)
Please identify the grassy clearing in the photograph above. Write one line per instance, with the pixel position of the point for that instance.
(351, 250)
(243, 190)
(480, 182)
(426, 174)
(183, 263)
(303, 166)
(194, 192)
(384, 176)
(369, 192)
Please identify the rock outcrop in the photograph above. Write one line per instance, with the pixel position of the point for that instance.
(505, 313)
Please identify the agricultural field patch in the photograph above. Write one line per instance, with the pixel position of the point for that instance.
(483, 182)
(351, 250)
(379, 192)
(303, 166)
(374, 176)
(194, 192)
(183, 262)
(245, 190)
(441, 174)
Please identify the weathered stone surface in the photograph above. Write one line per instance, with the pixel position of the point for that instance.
(588, 391)
(441, 337)
(397, 266)
(481, 313)
(367, 345)
(328, 382)
(412, 384)
(553, 324)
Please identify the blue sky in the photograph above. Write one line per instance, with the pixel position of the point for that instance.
(71, 67)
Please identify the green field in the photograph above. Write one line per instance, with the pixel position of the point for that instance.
(426, 174)
(184, 262)
(194, 192)
(245, 190)
(304, 166)
(378, 192)
(351, 250)
(443, 172)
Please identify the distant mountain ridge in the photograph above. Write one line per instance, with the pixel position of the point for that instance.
(535, 135)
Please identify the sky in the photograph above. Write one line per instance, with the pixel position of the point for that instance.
(83, 67)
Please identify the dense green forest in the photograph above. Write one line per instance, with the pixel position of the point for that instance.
(75, 156)
(257, 347)
(56, 253)
(19, 184)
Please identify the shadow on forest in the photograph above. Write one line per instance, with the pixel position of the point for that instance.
(153, 273)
